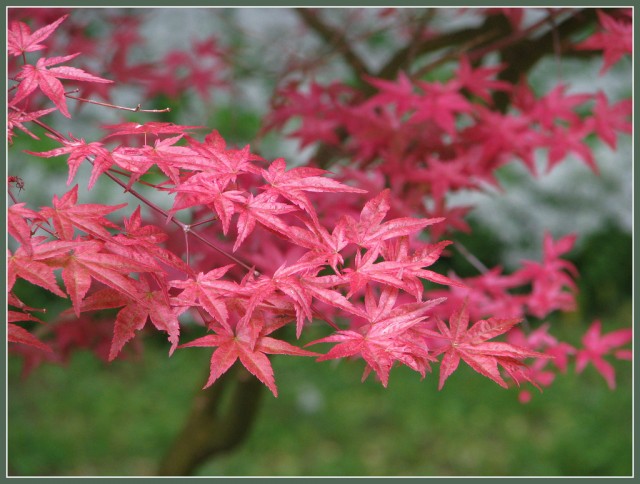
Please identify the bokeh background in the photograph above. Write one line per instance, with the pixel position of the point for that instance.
(91, 418)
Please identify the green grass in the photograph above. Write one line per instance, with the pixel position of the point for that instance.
(94, 419)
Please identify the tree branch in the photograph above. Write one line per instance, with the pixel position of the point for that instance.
(334, 38)
(212, 428)
(490, 30)
(521, 56)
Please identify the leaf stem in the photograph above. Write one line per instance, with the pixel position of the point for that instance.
(137, 109)
(472, 259)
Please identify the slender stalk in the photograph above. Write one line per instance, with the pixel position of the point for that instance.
(185, 227)
(137, 109)
(472, 259)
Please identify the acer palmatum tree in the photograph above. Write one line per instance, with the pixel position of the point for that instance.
(224, 249)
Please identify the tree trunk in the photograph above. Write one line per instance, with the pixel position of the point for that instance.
(219, 421)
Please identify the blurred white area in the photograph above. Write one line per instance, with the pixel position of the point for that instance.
(571, 198)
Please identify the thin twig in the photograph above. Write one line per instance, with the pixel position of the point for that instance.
(152, 205)
(472, 259)
(137, 109)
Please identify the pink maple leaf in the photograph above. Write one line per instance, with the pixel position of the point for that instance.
(292, 184)
(45, 78)
(21, 40)
(155, 128)
(478, 81)
(17, 334)
(472, 346)
(67, 215)
(208, 291)
(369, 231)
(440, 103)
(142, 242)
(249, 344)
(264, 209)
(615, 39)
(79, 151)
(597, 345)
(151, 305)
(558, 105)
(400, 92)
(382, 340)
(16, 118)
(17, 226)
(607, 119)
(85, 261)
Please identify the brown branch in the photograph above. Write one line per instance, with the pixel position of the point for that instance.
(333, 38)
(137, 109)
(521, 56)
(212, 428)
(492, 28)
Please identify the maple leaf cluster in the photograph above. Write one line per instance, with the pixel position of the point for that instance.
(241, 247)
(437, 138)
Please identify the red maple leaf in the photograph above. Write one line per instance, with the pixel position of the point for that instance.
(502, 136)
(21, 40)
(168, 157)
(17, 226)
(154, 127)
(382, 340)
(440, 104)
(557, 105)
(206, 189)
(133, 160)
(325, 247)
(615, 39)
(607, 119)
(445, 176)
(597, 345)
(79, 151)
(67, 215)
(134, 316)
(369, 231)
(142, 243)
(262, 208)
(472, 346)
(84, 260)
(400, 92)
(478, 81)
(552, 286)
(152, 305)
(292, 184)
(17, 334)
(46, 79)
(250, 345)
(208, 291)
(31, 265)
(300, 285)
(16, 118)
(223, 163)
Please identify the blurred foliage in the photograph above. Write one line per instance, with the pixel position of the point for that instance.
(606, 272)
